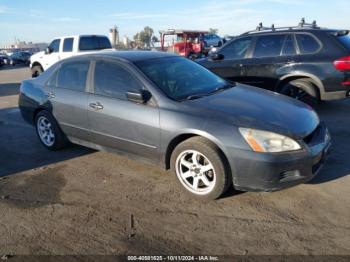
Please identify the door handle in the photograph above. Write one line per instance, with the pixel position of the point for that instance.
(97, 106)
(50, 95)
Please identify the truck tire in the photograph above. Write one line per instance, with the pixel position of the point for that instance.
(36, 70)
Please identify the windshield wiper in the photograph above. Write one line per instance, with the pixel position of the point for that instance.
(218, 89)
(222, 88)
(192, 97)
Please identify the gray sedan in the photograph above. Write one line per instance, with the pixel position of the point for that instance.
(170, 111)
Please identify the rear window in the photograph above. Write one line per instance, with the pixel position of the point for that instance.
(73, 75)
(94, 43)
(345, 40)
(68, 45)
(269, 46)
(307, 44)
(288, 47)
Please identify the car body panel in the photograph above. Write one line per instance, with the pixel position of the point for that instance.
(127, 126)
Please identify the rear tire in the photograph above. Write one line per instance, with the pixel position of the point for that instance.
(301, 90)
(49, 132)
(201, 168)
(37, 70)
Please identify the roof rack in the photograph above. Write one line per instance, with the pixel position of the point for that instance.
(302, 24)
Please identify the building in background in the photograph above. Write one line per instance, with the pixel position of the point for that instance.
(114, 36)
(23, 46)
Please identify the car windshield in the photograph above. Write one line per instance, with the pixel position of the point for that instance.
(182, 79)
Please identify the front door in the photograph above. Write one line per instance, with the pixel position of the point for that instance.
(54, 56)
(116, 122)
(232, 65)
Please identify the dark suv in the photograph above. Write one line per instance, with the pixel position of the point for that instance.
(302, 62)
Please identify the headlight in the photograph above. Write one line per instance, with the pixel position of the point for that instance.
(264, 141)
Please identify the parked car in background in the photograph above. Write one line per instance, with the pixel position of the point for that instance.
(64, 47)
(212, 40)
(169, 110)
(3, 58)
(304, 62)
(20, 57)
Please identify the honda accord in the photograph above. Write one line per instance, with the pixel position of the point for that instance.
(168, 110)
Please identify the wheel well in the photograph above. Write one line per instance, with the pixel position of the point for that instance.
(36, 112)
(37, 64)
(181, 138)
(314, 84)
(173, 143)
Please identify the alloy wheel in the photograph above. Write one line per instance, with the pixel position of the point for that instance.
(45, 131)
(195, 172)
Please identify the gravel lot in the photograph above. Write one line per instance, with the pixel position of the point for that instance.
(79, 201)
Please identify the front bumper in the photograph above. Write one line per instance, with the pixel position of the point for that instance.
(271, 172)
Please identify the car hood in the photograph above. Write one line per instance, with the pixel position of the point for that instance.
(247, 106)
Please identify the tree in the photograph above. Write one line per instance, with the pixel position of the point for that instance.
(144, 38)
(213, 31)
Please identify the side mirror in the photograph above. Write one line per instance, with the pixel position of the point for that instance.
(216, 56)
(48, 50)
(140, 97)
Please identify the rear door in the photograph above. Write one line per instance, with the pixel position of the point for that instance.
(231, 66)
(272, 56)
(116, 122)
(66, 90)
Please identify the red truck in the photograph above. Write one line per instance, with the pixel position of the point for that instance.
(188, 43)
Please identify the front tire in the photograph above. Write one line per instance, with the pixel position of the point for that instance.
(49, 132)
(200, 168)
(36, 71)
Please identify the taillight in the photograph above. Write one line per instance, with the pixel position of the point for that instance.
(342, 64)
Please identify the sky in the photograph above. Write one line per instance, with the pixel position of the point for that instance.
(42, 20)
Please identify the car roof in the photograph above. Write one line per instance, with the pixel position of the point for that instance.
(77, 36)
(294, 30)
(132, 56)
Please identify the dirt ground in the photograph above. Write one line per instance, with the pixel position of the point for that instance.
(79, 201)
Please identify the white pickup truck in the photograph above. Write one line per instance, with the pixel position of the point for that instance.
(64, 47)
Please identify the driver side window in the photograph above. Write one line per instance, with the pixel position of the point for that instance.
(55, 45)
(114, 81)
(237, 49)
